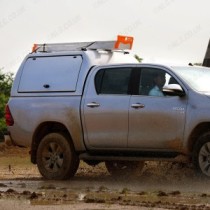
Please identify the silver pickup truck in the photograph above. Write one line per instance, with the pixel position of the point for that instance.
(94, 104)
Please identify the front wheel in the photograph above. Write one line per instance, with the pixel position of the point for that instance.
(124, 168)
(201, 155)
(56, 158)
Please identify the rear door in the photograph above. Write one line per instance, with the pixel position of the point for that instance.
(105, 108)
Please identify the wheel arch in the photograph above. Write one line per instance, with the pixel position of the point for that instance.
(44, 129)
(199, 130)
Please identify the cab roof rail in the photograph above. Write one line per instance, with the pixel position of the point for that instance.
(122, 43)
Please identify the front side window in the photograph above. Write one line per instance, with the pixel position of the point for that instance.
(113, 81)
(153, 80)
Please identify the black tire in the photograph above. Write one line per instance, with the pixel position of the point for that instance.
(56, 158)
(124, 168)
(201, 155)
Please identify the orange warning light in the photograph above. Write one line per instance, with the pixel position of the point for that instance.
(127, 40)
(34, 48)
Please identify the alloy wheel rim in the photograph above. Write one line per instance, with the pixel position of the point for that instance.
(53, 156)
(204, 158)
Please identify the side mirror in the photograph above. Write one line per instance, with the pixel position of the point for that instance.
(173, 90)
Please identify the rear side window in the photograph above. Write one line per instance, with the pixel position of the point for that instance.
(113, 81)
(50, 74)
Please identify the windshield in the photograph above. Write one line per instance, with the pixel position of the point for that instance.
(198, 78)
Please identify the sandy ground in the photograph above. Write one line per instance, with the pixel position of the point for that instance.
(160, 185)
(14, 204)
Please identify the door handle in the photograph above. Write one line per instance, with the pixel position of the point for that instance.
(137, 106)
(93, 104)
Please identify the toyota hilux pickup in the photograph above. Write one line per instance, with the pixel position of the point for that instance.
(86, 101)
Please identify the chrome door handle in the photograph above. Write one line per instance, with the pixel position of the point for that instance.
(93, 104)
(137, 106)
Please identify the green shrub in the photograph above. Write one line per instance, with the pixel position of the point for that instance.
(6, 80)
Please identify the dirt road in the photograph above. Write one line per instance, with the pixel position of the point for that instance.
(159, 186)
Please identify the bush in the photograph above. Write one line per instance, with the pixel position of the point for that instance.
(6, 80)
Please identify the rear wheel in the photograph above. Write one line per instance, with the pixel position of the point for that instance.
(201, 155)
(124, 168)
(56, 158)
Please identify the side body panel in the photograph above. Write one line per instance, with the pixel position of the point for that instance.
(198, 112)
(30, 112)
(116, 124)
(36, 99)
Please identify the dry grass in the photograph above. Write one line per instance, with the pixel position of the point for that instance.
(15, 163)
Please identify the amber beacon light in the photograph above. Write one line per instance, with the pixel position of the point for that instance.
(34, 47)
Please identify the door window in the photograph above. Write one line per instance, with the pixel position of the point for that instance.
(152, 81)
(113, 81)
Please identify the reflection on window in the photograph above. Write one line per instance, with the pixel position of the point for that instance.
(113, 81)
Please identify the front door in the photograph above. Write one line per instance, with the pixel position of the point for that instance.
(156, 122)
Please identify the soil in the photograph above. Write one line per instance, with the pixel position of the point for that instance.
(161, 185)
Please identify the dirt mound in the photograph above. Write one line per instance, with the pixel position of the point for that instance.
(6, 150)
